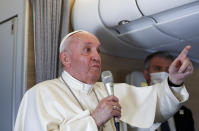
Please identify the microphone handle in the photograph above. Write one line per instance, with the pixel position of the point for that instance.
(110, 90)
(116, 120)
(117, 123)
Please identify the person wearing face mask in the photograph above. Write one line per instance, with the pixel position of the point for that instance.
(156, 71)
(158, 77)
(156, 67)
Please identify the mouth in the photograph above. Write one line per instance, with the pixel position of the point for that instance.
(96, 66)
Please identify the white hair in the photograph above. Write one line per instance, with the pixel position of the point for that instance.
(63, 45)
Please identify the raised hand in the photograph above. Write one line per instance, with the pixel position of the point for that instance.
(106, 109)
(181, 67)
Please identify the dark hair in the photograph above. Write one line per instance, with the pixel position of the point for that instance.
(162, 54)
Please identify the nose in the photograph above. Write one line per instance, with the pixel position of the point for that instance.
(96, 57)
(166, 69)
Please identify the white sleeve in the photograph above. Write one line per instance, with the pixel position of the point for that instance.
(81, 122)
(169, 100)
(27, 119)
(141, 107)
(33, 117)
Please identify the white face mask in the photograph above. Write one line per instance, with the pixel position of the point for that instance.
(158, 77)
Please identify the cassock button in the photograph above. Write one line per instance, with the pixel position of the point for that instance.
(181, 112)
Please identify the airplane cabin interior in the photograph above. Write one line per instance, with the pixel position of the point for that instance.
(128, 30)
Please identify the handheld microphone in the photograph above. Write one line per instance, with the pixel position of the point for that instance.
(107, 79)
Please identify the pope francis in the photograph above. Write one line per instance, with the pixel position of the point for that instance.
(77, 102)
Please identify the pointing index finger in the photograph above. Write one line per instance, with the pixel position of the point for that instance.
(184, 52)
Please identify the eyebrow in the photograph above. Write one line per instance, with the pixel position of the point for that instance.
(90, 43)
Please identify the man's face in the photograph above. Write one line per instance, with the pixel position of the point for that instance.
(157, 64)
(85, 61)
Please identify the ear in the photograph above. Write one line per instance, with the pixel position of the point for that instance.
(147, 75)
(65, 59)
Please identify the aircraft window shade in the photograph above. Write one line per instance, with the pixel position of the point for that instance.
(114, 11)
(143, 34)
(150, 7)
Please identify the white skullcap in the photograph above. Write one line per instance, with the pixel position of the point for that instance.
(61, 47)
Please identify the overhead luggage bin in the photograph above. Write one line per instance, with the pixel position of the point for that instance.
(182, 23)
(142, 33)
(135, 28)
(112, 12)
(150, 7)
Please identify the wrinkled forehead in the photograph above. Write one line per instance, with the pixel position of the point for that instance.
(84, 36)
(77, 37)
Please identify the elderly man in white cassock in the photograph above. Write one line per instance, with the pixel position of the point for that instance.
(77, 102)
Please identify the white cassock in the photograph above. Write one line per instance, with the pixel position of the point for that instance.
(50, 106)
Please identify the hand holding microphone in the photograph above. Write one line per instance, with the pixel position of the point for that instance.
(107, 79)
(108, 107)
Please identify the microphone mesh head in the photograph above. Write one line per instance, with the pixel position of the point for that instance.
(107, 77)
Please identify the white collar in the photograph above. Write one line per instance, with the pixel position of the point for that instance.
(76, 84)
